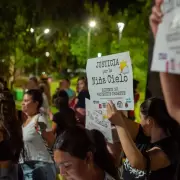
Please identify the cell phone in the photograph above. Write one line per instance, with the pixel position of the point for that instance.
(42, 126)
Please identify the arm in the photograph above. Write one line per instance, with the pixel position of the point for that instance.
(54, 127)
(47, 135)
(136, 158)
(132, 126)
(158, 158)
(171, 87)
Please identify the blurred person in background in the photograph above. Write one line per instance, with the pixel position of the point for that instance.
(80, 105)
(32, 83)
(45, 106)
(38, 139)
(65, 85)
(170, 82)
(11, 139)
(65, 117)
(81, 154)
(152, 150)
(44, 80)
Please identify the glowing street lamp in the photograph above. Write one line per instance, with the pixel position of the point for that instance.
(99, 54)
(121, 26)
(47, 54)
(92, 24)
(32, 30)
(46, 31)
(37, 38)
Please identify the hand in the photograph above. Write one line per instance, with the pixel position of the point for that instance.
(113, 114)
(156, 16)
(51, 115)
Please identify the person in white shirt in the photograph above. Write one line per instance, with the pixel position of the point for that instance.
(37, 162)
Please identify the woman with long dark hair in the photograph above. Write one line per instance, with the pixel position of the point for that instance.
(81, 154)
(154, 155)
(11, 140)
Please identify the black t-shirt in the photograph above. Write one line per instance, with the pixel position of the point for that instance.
(170, 148)
(64, 119)
(81, 99)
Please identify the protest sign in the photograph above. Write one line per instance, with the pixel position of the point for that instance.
(110, 78)
(95, 120)
(166, 57)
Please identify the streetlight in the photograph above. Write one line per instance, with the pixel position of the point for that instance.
(47, 54)
(99, 54)
(92, 24)
(32, 30)
(37, 38)
(46, 31)
(121, 26)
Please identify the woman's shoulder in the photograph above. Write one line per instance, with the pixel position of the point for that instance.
(170, 147)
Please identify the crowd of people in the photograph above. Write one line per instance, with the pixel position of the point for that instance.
(32, 148)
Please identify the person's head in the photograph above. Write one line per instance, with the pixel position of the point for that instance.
(82, 84)
(32, 83)
(10, 127)
(62, 100)
(154, 115)
(32, 102)
(79, 152)
(65, 84)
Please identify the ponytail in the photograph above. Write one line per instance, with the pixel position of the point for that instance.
(102, 157)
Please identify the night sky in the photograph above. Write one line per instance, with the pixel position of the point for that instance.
(116, 5)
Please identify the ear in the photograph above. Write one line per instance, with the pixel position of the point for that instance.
(150, 121)
(37, 103)
(89, 158)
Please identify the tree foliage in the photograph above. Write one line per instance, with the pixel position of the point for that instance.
(67, 41)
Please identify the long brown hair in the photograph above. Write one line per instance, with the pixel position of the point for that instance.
(11, 127)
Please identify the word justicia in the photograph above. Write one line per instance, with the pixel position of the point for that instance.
(110, 79)
(107, 63)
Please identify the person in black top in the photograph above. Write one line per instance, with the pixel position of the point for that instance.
(65, 118)
(154, 153)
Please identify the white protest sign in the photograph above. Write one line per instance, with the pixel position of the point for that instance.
(95, 120)
(111, 78)
(166, 56)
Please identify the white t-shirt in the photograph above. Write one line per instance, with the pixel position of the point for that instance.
(35, 150)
